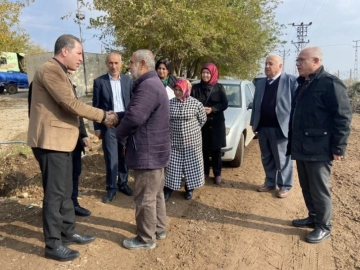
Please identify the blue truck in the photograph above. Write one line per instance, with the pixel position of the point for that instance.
(12, 72)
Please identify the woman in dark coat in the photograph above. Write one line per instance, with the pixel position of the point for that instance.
(164, 70)
(213, 97)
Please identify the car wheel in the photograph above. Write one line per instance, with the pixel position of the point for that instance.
(2, 89)
(239, 155)
(11, 89)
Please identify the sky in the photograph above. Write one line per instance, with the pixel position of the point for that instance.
(335, 24)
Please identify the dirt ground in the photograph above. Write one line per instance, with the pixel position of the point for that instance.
(226, 227)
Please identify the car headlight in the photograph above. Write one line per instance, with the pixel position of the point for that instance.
(227, 131)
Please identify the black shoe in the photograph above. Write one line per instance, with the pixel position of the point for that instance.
(167, 193)
(78, 239)
(188, 194)
(304, 222)
(62, 254)
(81, 211)
(317, 235)
(110, 195)
(126, 190)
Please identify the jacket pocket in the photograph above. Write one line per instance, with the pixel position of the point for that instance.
(61, 124)
(316, 142)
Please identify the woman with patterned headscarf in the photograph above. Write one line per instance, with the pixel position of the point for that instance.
(213, 97)
(187, 116)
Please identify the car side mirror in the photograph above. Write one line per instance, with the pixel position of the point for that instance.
(250, 106)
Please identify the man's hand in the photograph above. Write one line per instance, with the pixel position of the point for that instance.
(336, 157)
(208, 110)
(98, 134)
(86, 141)
(111, 119)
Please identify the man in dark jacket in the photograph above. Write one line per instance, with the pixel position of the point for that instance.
(144, 131)
(319, 131)
(112, 92)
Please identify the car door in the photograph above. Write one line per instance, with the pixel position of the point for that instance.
(249, 97)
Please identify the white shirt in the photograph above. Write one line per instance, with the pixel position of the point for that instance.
(273, 79)
(117, 96)
(170, 92)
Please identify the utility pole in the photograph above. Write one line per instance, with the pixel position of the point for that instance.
(81, 16)
(301, 30)
(284, 54)
(356, 60)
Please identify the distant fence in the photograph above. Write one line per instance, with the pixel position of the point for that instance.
(94, 66)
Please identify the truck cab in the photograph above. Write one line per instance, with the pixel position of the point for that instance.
(12, 72)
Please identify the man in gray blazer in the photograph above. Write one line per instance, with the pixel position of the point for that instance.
(113, 91)
(270, 119)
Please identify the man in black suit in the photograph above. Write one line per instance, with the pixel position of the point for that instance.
(112, 91)
(83, 142)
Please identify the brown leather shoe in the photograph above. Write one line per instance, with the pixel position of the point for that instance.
(283, 193)
(264, 188)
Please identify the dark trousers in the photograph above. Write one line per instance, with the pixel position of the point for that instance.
(314, 181)
(215, 161)
(58, 208)
(150, 204)
(114, 161)
(277, 166)
(76, 172)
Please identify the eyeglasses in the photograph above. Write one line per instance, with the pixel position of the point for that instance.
(301, 60)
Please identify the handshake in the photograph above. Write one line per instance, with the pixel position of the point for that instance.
(111, 119)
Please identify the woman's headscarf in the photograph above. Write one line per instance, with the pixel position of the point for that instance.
(185, 87)
(214, 74)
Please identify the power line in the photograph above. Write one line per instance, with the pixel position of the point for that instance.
(316, 29)
(302, 12)
(320, 8)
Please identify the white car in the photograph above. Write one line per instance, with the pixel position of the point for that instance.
(240, 95)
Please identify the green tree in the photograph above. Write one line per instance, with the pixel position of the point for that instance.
(12, 37)
(234, 34)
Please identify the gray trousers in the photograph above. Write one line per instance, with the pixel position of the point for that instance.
(150, 210)
(314, 181)
(278, 167)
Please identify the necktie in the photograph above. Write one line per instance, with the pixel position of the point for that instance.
(269, 81)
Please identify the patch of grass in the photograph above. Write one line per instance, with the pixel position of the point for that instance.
(15, 150)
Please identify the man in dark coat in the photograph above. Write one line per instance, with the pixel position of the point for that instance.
(145, 133)
(112, 92)
(319, 131)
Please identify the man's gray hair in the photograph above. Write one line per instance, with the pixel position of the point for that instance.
(113, 53)
(148, 56)
(280, 60)
(65, 41)
(315, 52)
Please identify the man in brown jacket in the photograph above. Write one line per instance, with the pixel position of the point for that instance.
(53, 134)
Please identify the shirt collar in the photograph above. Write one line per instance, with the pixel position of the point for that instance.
(61, 65)
(273, 79)
(112, 79)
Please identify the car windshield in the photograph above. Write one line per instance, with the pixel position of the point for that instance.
(233, 95)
